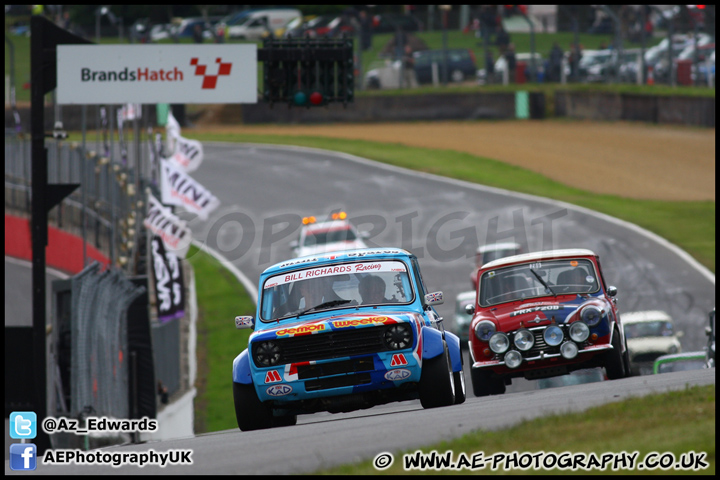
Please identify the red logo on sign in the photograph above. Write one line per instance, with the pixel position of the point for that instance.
(210, 81)
(272, 376)
(398, 359)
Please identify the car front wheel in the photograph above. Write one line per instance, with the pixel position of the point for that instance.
(484, 383)
(614, 361)
(250, 412)
(437, 383)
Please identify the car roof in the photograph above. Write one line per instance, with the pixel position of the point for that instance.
(645, 316)
(546, 255)
(328, 225)
(357, 254)
(671, 357)
(498, 246)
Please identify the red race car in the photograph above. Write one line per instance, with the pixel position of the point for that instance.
(544, 314)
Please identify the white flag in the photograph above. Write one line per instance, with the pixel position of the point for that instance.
(188, 154)
(179, 188)
(163, 223)
(172, 131)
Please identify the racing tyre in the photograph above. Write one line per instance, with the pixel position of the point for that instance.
(250, 413)
(626, 360)
(459, 379)
(614, 361)
(437, 382)
(485, 384)
(284, 421)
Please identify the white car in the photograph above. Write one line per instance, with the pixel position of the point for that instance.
(334, 233)
(649, 335)
(463, 315)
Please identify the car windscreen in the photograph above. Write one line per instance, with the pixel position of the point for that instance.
(522, 281)
(659, 328)
(321, 237)
(682, 365)
(358, 284)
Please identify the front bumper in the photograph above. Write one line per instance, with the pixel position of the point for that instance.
(543, 360)
(337, 377)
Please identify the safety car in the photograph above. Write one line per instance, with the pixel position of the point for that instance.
(335, 232)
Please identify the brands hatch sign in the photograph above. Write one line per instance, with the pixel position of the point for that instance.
(107, 74)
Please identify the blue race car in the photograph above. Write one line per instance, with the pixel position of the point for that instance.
(344, 331)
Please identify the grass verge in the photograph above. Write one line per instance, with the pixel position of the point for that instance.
(220, 298)
(675, 422)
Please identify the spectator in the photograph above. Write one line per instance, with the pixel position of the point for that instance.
(408, 60)
(489, 66)
(556, 57)
(502, 40)
(510, 60)
(575, 56)
(365, 31)
(198, 34)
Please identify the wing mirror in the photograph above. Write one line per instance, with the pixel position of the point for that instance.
(611, 291)
(244, 322)
(435, 298)
(470, 309)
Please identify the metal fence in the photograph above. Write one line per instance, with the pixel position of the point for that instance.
(106, 211)
(99, 360)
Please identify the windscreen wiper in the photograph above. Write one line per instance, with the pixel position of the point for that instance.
(543, 282)
(331, 303)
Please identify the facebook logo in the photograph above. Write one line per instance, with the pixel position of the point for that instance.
(23, 456)
(23, 425)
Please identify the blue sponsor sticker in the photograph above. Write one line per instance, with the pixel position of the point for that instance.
(279, 390)
(398, 374)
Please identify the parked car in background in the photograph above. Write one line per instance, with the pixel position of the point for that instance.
(490, 252)
(461, 66)
(337, 26)
(541, 315)
(605, 65)
(258, 23)
(293, 27)
(687, 54)
(649, 334)
(656, 56)
(679, 362)
(391, 22)
(318, 26)
(341, 332)
(705, 71)
(464, 306)
(460, 63)
(521, 57)
(185, 28)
